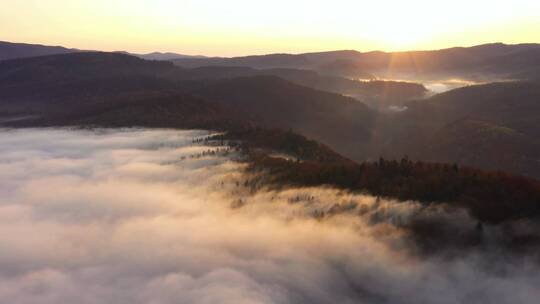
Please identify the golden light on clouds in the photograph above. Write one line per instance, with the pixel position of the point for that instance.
(250, 27)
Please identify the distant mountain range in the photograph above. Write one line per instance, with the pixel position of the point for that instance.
(492, 126)
(10, 50)
(377, 94)
(482, 62)
(161, 56)
(487, 62)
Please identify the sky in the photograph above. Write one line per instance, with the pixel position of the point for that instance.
(242, 27)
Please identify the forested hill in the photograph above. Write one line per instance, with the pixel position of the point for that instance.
(491, 126)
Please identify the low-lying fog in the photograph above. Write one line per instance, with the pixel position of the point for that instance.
(435, 85)
(441, 86)
(140, 216)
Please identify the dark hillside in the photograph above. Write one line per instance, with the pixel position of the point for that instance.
(340, 122)
(10, 50)
(492, 126)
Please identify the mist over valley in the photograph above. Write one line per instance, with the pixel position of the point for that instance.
(139, 215)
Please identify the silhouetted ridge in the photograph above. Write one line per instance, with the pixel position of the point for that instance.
(10, 50)
(81, 65)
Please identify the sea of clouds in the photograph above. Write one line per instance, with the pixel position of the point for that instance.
(142, 216)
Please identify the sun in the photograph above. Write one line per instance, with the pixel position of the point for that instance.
(401, 34)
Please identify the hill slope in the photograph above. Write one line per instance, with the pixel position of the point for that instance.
(493, 126)
(74, 83)
(9, 50)
(341, 122)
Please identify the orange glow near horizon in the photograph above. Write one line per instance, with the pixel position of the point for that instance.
(241, 27)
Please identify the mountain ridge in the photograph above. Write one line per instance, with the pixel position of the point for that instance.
(70, 83)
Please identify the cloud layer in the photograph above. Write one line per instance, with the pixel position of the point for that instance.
(140, 216)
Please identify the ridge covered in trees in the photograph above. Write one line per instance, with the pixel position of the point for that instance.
(489, 196)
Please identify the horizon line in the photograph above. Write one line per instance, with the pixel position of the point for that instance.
(271, 53)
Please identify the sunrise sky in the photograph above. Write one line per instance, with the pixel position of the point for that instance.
(241, 27)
